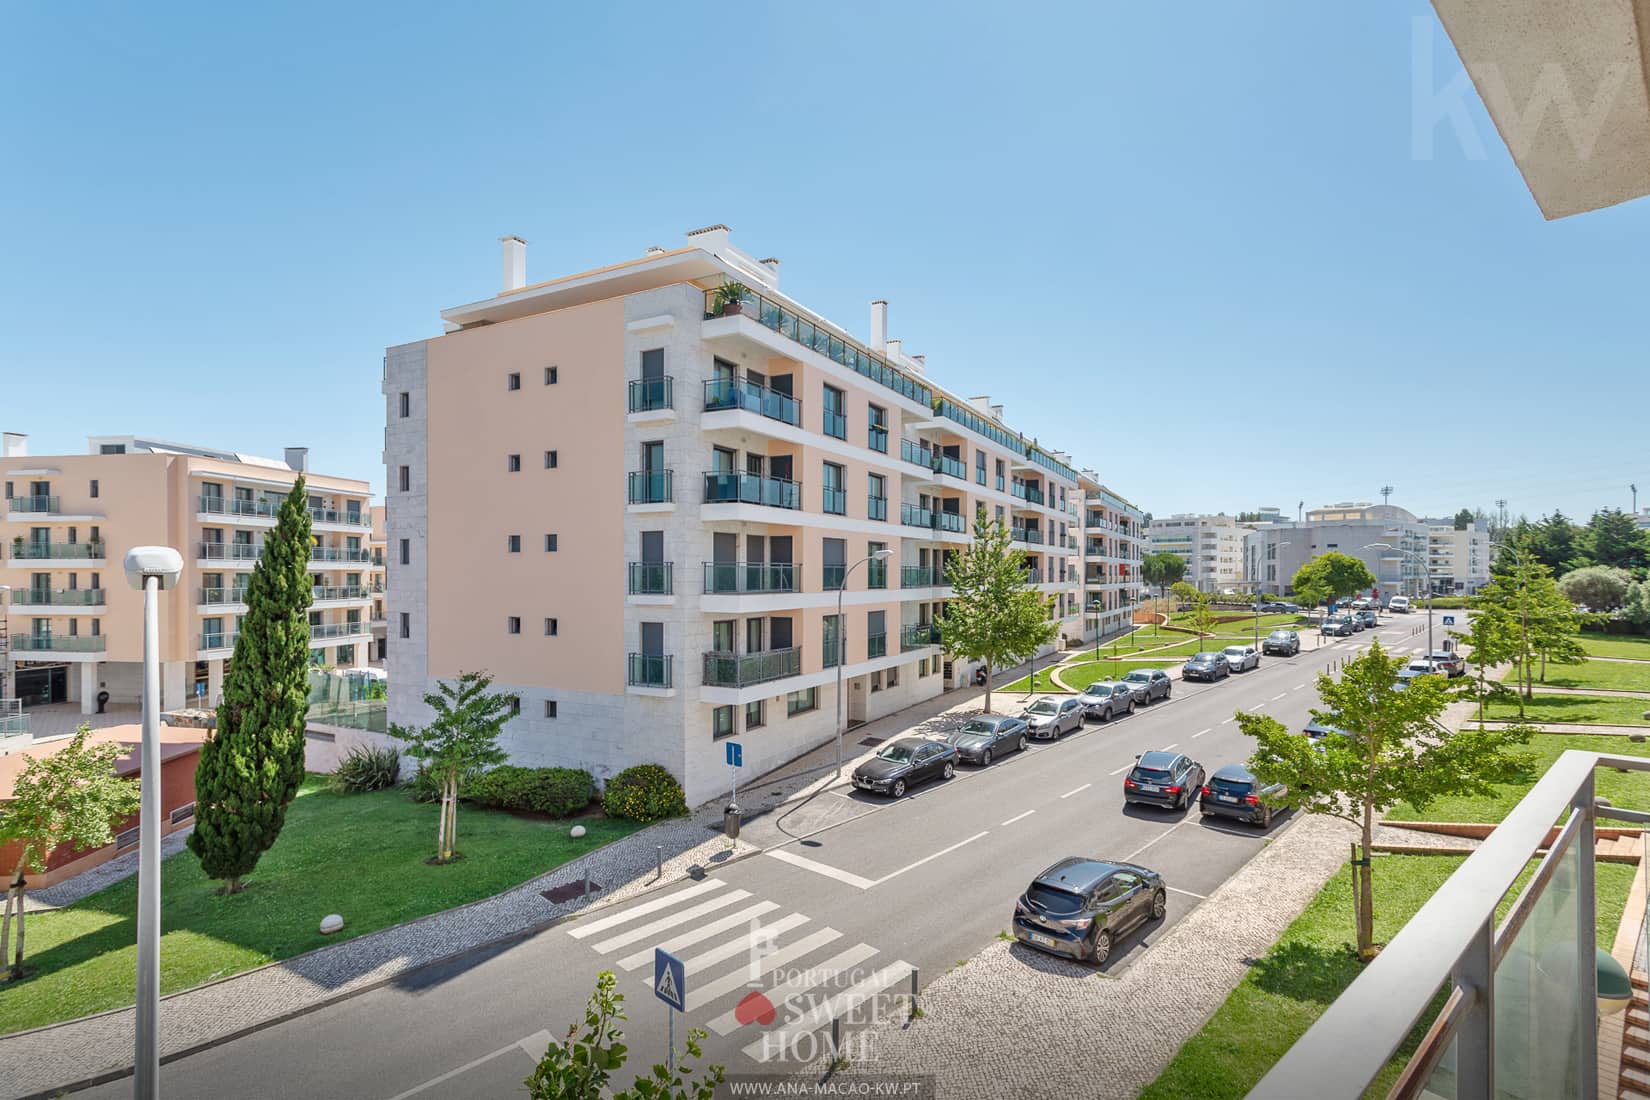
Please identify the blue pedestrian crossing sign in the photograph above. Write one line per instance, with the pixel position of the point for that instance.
(1449, 620)
(669, 980)
(736, 755)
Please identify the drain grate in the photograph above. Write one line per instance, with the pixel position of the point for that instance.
(568, 891)
(868, 742)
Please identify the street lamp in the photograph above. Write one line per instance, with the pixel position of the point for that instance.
(842, 645)
(152, 569)
(1426, 570)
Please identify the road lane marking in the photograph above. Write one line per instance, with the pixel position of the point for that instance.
(1078, 790)
(1123, 769)
(1166, 748)
(1188, 893)
(624, 939)
(779, 1042)
(926, 859)
(1298, 687)
(704, 932)
(752, 975)
(581, 930)
(819, 868)
(1200, 733)
(1228, 721)
(805, 979)
(1278, 696)
(1018, 817)
(1130, 857)
(768, 933)
(533, 1045)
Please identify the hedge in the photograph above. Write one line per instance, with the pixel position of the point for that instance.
(554, 791)
(644, 792)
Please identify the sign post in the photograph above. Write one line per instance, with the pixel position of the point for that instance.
(670, 986)
(736, 760)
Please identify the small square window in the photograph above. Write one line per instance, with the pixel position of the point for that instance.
(550, 460)
(876, 681)
(755, 714)
(513, 624)
(406, 405)
(550, 628)
(406, 625)
(515, 544)
(721, 722)
(406, 551)
(549, 544)
(893, 677)
(406, 479)
(513, 464)
(549, 376)
(94, 488)
(549, 708)
(513, 380)
(515, 706)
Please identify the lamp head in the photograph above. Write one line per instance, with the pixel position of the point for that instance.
(883, 554)
(163, 562)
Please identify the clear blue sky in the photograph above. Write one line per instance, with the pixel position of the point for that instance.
(1195, 250)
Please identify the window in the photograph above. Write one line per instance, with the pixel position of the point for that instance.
(405, 475)
(836, 424)
(922, 669)
(515, 706)
(112, 449)
(799, 701)
(512, 381)
(550, 460)
(406, 551)
(876, 497)
(512, 463)
(876, 437)
(876, 634)
(876, 569)
(830, 640)
(893, 677)
(549, 708)
(834, 499)
(834, 551)
(549, 544)
(721, 722)
(551, 627)
(406, 625)
(406, 405)
(979, 467)
(755, 718)
(512, 625)
(515, 544)
(94, 488)
(876, 681)
(549, 376)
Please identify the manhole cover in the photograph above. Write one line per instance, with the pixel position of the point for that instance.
(869, 741)
(568, 891)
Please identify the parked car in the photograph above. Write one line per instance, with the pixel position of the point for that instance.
(1449, 662)
(1163, 779)
(1206, 666)
(986, 736)
(1281, 643)
(1410, 672)
(1233, 791)
(1242, 658)
(1400, 604)
(1317, 731)
(905, 763)
(1271, 608)
(1081, 907)
(1104, 700)
(1336, 628)
(1149, 684)
(1049, 717)
(1354, 622)
(1360, 604)
(1368, 618)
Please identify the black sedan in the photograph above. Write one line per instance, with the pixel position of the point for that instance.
(1080, 907)
(905, 763)
(989, 735)
(1206, 666)
(1281, 643)
(1149, 684)
(1163, 779)
(1233, 791)
(1104, 700)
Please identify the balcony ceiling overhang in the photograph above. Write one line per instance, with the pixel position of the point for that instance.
(1592, 150)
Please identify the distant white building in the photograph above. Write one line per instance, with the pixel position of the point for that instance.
(1391, 541)
(1457, 561)
(1212, 546)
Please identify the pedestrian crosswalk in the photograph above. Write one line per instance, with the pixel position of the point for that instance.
(775, 974)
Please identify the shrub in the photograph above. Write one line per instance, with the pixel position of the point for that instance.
(645, 792)
(367, 768)
(425, 786)
(554, 791)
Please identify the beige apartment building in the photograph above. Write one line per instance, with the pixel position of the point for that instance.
(636, 508)
(75, 627)
(1212, 546)
(1114, 531)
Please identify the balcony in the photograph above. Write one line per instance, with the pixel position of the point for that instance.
(229, 551)
(1032, 535)
(651, 394)
(742, 670)
(225, 595)
(213, 504)
(918, 635)
(914, 515)
(732, 393)
(349, 517)
(647, 670)
(649, 487)
(326, 631)
(1034, 575)
(339, 553)
(650, 578)
(936, 461)
(876, 645)
(738, 577)
(324, 592)
(36, 505)
(59, 643)
(921, 576)
(219, 639)
(63, 597)
(42, 551)
(734, 488)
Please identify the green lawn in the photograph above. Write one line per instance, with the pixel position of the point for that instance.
(1616, 645)
(1044, 683)
(361, 855)
(1080, 676)
(1627, 789)
(1246, 624)
(1288, 989)
(1613, 675)
(1592, 709)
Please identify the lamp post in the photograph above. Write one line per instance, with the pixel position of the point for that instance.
(152, 569)
(842, 646)
(1425, 568)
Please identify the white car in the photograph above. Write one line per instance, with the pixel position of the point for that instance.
(1242, 657)
(1399, 604)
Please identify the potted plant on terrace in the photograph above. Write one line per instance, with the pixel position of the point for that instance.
(727, 299)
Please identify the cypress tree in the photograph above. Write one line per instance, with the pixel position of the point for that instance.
(250, 770)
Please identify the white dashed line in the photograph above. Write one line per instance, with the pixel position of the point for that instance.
(1188, 893)
(1130, 857)
(1228, 721)
(1166, 748)
(1078, 790)
(1123, 769)
(1200, 733)
(1298, 687)
(1018, 817)
(1278, 696)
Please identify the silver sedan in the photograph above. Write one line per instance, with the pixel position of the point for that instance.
(1242, 657)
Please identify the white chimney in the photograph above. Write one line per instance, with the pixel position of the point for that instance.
(997, 413)
(879, 324)
(297, 458)
(14, 445)
(654, 250)
(982, 403)
(712, 238)
(892, 349)
(514, 263)
(772, 264)
(921, 362)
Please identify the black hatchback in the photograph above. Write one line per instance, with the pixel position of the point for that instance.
(1233, 791)
(1080, 907)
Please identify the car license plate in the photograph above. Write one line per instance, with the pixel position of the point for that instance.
(1227, 797)
(1150, 788)
(1046, 941)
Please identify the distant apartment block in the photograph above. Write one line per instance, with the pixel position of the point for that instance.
(636, 509)
(1211, 545)
(1113, 544)
(1458, 561)
(1391, 542)
(74, 626)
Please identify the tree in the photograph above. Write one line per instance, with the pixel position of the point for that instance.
(1162, 569)
(1329, 576)
(251, 767)
(1464, 519)
(1202, 618)
(1393, 751)
(71, 797)
(1612, 538)
(1635, 607)
(1527, 609)
(580, 1066)
(1556, 543)
(995, 617)
(1600, 587)
(462, 740)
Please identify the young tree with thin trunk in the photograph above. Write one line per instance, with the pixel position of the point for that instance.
(996, 617)
(253, 764)
(1525, 606)
(1203, 619)
(71, 797)
(1162, 569)
(1393, 750)
(461, 741)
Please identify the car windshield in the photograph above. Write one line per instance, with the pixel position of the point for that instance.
(979, 726)
(1139, 677)
(1234, 651)
(1097, 689)
(897, 753)
(1053, 900)
(1151, 775)
(1043, 706)
(1279, 635)
(1206, 656)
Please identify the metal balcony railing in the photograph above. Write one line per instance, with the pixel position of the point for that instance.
(649, 487)
(338, 553)
(834, 501)
(219, 639)
(645, 670)
(338, 592)
(918, 635)
(876, 508)
(338, 630)
(835, 425)
(735, 488)
(35, 504)
(650, 578)
(876, 645)
(230, 551)
(651, 394)
(731, 577)
(59, 643)
(223, 595)
(745, 669)
(42, 551)
(734, 393)
(877, 439)
(66, 597)
(1032, 535)
(921, 576)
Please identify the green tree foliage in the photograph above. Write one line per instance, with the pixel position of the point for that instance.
(580, 1066)
(1464, 519)
(1555, 542)
(462, 740)
(1330, 576)
(1393, 751)
(1635, 606)
(1202, 617)
(1612, 538)
(71, 797)
(1600, 587)
(1528, 610)
(996, 617)
(1162, 569)
(1185, 592)
(251, 768)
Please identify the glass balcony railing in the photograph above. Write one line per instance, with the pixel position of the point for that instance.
(349, 517)
(218, 639)
(338, 553)
(733, 488)
(650, 578)
(836, 425)
(65, 597)
(831, 577)
(41, 551)
(914, 515)
(34, 504)
(651, 394)
(876, 507)
(918, 635)
(745, 669)
(733, 393)
(834, 501)
(1034, 575)
(910, 451)
(649, 487)
(214, 504)
(950, 521)
(218, 595)
(1032, 535)
(230, 551)
(338, 630)
(59, 643)
(733, 577)
(876, 645)
(877, 439)
(647, 670)
(920, 576)
(336, 592)
(876, 573)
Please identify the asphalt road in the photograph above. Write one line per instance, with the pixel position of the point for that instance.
(921, 884)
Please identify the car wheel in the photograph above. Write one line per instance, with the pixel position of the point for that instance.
(898, 789)
(1020, 745)
(1265, 819)
(1166, 692)
(985, 759)
(950, 770)
(1100, 949)
(1160, 904)
(1131, 707)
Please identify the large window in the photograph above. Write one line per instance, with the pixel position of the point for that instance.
(721, 722)
(755, 716)
(835, 553)
(831, 640)
(876, 569)
(876, 497)
(836, 423)
(877, 434)
(835, 498)
(799, 701)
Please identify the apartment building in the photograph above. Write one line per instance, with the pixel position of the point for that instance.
(1458, 561)
(1113, 544)
(771, 465)
(76, 627)
(1390, 540)
(1211, 545)
(380, 624)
